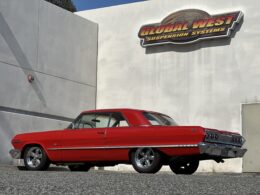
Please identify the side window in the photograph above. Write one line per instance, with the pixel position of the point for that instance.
(92, 121)
(99, 120)
(102, 120)
(117, 120)
(85, 121)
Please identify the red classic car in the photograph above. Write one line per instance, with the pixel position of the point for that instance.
(145, 139)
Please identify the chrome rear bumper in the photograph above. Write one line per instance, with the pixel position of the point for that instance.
(220, 150)
(16, 154)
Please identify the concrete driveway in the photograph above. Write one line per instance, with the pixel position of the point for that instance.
(61, 181)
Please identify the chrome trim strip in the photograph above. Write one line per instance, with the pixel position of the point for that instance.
(126, 147)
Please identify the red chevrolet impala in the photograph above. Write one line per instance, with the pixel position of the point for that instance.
(145, 139)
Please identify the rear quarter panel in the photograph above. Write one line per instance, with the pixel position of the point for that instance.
(126, 138)
(183, 138)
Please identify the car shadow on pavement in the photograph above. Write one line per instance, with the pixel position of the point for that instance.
(59, 169)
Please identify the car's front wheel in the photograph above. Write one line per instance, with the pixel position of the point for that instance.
(35, 159)
(79, 167)
(146, 160)
(186, 167)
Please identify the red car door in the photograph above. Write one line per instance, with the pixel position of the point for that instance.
(86, 140)
(83, 145)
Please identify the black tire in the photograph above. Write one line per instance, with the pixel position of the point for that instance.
(186, 167)
(79, 167)
(146, 160)
(35, 159)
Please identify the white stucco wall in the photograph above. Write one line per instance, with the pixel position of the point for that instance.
(199, 84)
(59, 49)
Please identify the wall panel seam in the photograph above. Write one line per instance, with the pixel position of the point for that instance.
(34, 114)
(17, 66)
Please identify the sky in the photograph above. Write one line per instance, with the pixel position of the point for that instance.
(93, 4)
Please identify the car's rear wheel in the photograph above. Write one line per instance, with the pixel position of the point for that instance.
(79, 167)
(35, 159)
(186, 167)
(146, 160)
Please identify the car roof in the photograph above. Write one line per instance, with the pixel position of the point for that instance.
(133, 116)
(117, 110)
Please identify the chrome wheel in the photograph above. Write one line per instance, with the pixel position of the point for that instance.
(144, 157)
(146, 160)
(34, 157)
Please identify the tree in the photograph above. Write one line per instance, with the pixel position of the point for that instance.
(65, 4)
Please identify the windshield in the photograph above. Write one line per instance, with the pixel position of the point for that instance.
(159, 119)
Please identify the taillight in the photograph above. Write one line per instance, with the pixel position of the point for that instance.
(211, 136)
(238, 140)
(224, 138)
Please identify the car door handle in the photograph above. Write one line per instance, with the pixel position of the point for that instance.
(101, 132)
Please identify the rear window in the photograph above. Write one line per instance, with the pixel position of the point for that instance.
(159, 119)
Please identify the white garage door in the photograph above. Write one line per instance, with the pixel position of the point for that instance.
(251, 132)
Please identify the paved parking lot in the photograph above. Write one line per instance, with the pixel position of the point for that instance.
(61, 181)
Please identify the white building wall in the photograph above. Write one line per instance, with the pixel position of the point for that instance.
(59, 49)
(199, 84)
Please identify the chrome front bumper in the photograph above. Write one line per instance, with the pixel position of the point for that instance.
(220, 150)
(16, 154)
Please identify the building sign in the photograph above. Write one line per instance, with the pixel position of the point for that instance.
(189, 26)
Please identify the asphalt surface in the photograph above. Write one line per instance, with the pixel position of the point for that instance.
(61, 181)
